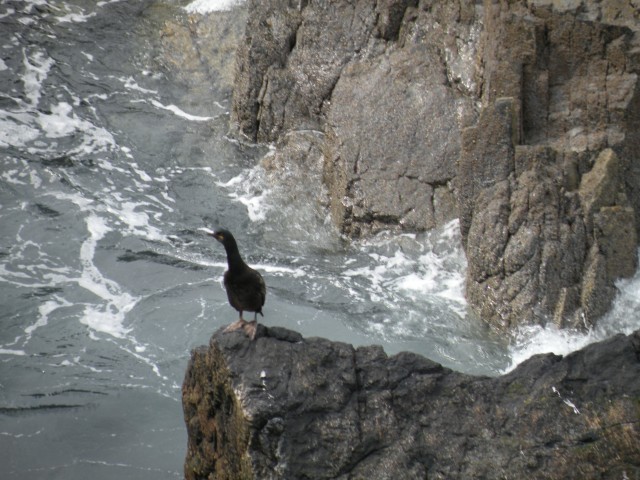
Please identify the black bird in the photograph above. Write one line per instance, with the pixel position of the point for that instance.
(245, 287)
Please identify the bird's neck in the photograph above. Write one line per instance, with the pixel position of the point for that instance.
(234, 260)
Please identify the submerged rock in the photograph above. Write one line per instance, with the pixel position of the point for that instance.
(286, 407)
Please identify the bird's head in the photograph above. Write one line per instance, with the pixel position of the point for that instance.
(223, 236)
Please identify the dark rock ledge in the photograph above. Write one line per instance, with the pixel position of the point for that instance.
(285, 407)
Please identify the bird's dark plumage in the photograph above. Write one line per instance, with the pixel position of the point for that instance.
(245, 287)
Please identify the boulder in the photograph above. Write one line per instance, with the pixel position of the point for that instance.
(286, 407)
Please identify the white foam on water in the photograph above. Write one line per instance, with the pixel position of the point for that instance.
(248, 189)
(8, 13)
(29, 4)
(208, 6)
(438, 272)
(277, 269)
(64, 122)
(197, 259)
(15, 133)
(75, 17)
(179, 112)
(144, 176)
(80, 201)
(161, 203)
(27, 21)
(407, 283)
(6, 351)
(131, 84)
(36, 68)
(17, 271)
(19, 172)
(13, 176)
(534, 339)
(60, 123)
(108, 313)
(624, 317)
(140, 348)
(34, 179)
(102, 3)
(44, 311)
(109, 316)
(133, 217)
(104, 164)
(26, 123)
(48, 120)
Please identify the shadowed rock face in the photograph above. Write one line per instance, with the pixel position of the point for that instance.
(520, 118)
(285, 407)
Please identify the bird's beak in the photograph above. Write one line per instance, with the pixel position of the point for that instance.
(217, 235)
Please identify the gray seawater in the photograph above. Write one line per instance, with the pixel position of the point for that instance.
(109, 166)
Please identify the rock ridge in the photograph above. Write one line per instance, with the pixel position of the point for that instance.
(286, 407)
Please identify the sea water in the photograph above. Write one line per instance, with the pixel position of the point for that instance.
(109, 167)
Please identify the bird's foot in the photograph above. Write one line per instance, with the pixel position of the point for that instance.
(250, 329)
(237, 325)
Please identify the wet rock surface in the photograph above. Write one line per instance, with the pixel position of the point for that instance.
(284, 407)
(521, 119)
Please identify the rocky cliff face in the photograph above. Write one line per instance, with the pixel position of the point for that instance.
(372, 77)
(547, 206)
(521, 118)
(285, 407)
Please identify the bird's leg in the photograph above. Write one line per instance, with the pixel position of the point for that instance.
(250, 329)
(237, 325)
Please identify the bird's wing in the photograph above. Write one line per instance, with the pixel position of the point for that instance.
(257, 281)
(263, 289)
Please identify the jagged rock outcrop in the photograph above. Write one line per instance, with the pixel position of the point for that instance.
(543, 194)
(521, 118)
(285, 407)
